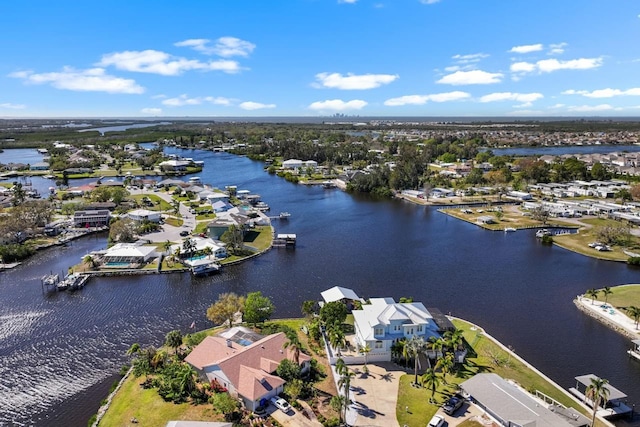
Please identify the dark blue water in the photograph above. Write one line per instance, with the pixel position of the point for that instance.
(58, 352)
(565, 149)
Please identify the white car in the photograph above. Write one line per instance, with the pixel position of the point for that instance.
(436, 421)
(281, 404)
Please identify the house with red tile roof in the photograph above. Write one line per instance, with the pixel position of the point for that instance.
(246, 371)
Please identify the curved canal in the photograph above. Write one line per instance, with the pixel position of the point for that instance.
(59, 352)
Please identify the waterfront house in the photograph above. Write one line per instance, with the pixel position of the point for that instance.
(245, 364)
(91, 218)
(511, 406)
(140, 215)
(384, 321)
(174, 165)
(226, 219)
(128, 254)
(345, 295)
(201, 244)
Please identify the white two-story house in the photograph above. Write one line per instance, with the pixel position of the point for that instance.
(385, 321)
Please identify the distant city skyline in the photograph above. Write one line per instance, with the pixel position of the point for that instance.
(385, 58)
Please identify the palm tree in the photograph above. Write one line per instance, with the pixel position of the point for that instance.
(634, 312)
(417, 346)
(89, 261)
(593, 294)
(445, 365)
(598, 393)
(134, 350)
(293, 343)
(431, 380)
(405, 351)
(454, 339)
(345, 383)
(365, 351)
(606, 291)
(437, 344)
(189, 247)
(166, 246)
(341, 367)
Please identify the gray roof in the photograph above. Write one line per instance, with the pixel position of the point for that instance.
(510, 403)
(614, 393)
(337, 293)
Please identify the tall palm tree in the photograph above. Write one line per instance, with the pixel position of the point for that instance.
(445, 364)
(166, 246)
(417, 346)
(365, 351)
(341, 367)
(606, 291)
(454, 339)
(293, 343)
(598, 393)
(437, 344)
(405, 351)
(431, 380)
(134, 349)
(345, 383)
(634, 312)
(89, 261)
(593, 294)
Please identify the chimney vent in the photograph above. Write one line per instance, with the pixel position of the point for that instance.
(229, 343)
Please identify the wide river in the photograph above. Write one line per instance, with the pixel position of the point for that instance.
(60, 352)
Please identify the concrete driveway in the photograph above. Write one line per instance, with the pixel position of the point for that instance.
(375, 395)
(466, 412)
(294, 418)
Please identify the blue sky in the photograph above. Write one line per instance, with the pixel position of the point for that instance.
(319, 57)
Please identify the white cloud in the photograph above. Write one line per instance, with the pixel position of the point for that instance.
(11, 106)
(224, 46)
(526, 98)
(89, 80)
(423, 99)
(337, 105)
(550, 65)
(156, 62)
(473, 77)
(218, 100)
(522, 67)
(183, 100)
(348, 1)
(452, 68)
(353, 81)
(604, 93)
(557, 48)
(527, 48)
(250, 105)
(590, 108)
(429, 1)
(152, 111)
(473, 57)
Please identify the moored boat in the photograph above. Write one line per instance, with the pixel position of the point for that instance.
(284, 215)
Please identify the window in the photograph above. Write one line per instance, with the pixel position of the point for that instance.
(419, 328)
(378, 344)
(379, 331)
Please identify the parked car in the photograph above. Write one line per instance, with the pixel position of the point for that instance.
(281, 404)
(436, 421)
(453, 404)
(184, 233)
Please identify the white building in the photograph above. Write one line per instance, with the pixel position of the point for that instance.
(128, 253)
(140, 215)
(385, 321)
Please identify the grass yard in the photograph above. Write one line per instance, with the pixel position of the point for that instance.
(623, 296)
(487, 356)
(176, 222)
(150, 409)
(159, 204)
(259, 237)
(511, 217)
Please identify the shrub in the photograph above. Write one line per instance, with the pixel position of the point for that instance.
(634, 260)
(547, 240)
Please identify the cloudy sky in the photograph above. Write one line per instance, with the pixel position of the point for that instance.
(319, 57)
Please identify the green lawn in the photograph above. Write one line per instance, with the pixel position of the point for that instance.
(150, 409)
(488, 357)
(176, 222)
(259, 238)
(623, 296)
(201, 227)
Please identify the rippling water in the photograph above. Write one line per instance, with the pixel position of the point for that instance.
(59, 352)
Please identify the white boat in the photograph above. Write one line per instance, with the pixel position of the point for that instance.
(51, 279)
(509, 230)
(205, 268)
(262, 206)
(543, 232)
(284, 215)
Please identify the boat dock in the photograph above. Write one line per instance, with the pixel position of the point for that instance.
(614, 407)
(73, 282)
(285, 241)
(635, 350)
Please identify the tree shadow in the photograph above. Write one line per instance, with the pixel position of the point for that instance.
(358, 390)
(387, 377)
(365, 411)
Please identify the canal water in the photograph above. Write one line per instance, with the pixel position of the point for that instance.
(60, 352)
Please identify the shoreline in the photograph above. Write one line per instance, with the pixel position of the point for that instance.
(610, 316)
